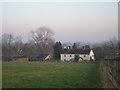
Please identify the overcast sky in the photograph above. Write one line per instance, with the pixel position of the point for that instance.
(70, 21)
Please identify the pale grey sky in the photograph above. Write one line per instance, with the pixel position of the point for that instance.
(70, 21)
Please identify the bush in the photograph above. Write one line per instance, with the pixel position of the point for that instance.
(76, 58)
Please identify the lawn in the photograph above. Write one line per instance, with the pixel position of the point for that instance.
(0, 74)
(50, 75)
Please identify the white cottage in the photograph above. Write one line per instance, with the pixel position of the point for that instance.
(84, 54)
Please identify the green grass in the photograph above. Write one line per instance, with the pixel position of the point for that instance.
(50, 75)
(0, 74)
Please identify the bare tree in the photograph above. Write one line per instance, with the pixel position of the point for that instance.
(0, 45)
(29, 50)
(114, 42)
(17, 46)
(77, 44)
(42, 38)
(106, 49)
(7, 40)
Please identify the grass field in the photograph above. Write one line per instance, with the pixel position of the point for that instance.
(50, 75)
(0, 74)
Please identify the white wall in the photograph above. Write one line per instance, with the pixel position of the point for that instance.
(67, 57)
(92, 55)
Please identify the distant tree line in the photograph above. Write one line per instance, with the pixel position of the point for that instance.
(42, 42)
(106, 49)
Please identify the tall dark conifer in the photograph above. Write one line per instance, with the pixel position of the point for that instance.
(74, 46)
(57, 50)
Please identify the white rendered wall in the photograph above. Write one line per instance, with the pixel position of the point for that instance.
(67, 57)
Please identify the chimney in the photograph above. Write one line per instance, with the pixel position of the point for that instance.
(83, 48)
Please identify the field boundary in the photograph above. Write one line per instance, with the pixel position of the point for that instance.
(111, 73)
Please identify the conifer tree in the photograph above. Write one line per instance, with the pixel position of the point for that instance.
(57, 50)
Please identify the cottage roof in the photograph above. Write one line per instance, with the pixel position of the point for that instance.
(75, 51)
(18, 56)
(42, 56)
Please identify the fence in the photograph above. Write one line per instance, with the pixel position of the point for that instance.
(110, 70)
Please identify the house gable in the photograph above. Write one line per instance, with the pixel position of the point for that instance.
(92, 55)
